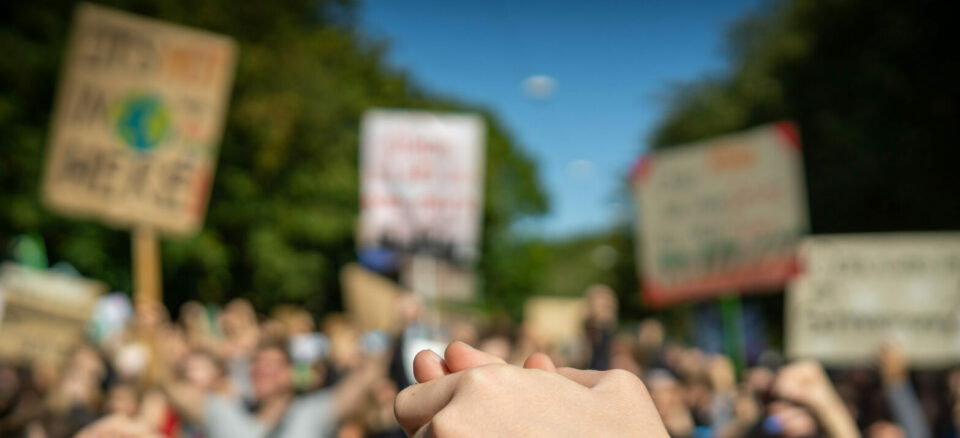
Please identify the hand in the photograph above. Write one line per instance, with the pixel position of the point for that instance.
(428, 366)
(118, 426)
(806, 383)
(470, 393)
(722, 374)
(893, 365)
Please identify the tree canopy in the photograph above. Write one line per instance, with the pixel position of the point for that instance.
(875, 96)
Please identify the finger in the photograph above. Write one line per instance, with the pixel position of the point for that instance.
(460, 356)
(417, 404)
(428, 365)
(425, 432)
(540, 361)
(588, 378)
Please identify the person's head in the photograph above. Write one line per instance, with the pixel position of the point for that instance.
(601, 304)
(121, 400)
(665, 390)
(9, 389)
(202, 369)
(408, 308)
(786, 420)
(271, 371)
(650, 334)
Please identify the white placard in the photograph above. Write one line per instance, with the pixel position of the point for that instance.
(422, 181)
(860, 291)
(721, 215)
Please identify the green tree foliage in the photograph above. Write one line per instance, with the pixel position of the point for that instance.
(283, 209)
(873, 87)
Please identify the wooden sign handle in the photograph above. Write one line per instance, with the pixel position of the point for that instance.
(146, 266)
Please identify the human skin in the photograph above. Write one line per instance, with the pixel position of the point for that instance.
(806, 383)
(469, 393)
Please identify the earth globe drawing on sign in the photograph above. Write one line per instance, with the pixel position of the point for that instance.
(142, 121)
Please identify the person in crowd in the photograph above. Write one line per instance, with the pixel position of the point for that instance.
(214, 373)
(900, 396)
(601, 324)
(278, 411)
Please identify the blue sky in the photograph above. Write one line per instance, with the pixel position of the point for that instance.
(613, 63)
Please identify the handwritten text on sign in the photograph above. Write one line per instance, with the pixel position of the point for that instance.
(137, 121)
(422, 181)
(860, 291)
(721, 215)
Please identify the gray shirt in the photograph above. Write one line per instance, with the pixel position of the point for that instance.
(308, 416)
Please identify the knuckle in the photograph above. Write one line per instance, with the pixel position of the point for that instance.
(445, 424)
(473, 377)
(481, 376)
(400, 403)
(624, 380)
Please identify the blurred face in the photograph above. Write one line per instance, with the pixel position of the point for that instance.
(650, 334)
(790, 421)
(602, 304)
(201, 371)
(271, 374)
(665, 392)
(122, 400)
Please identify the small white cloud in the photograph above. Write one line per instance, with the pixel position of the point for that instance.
(539, 87)
(580, 169)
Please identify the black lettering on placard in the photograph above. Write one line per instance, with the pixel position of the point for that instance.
(109, 47)
(116, 175)
(137, 178)
(89, 107)
(173, 179)
(847, 321)
(74, 168)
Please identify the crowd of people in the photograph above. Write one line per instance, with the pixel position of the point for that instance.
(232, 372)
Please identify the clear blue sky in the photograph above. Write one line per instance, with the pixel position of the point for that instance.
(613, 63)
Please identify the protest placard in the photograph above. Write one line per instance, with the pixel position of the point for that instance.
(858, 292)
(720, 216)
(43, 313)
(421, 187)
(137, 121)
(555, 319)
(370, 299)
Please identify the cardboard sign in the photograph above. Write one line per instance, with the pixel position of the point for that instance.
(421, 185)
(858, 292)
(445, 281)
(720, 216)
(370, 299)
(137, 121)
(44, 313)
(556, 319)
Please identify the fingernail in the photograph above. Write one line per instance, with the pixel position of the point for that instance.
(436, 357)
(465, 344)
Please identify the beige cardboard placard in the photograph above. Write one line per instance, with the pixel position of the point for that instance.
(370, 299)
(858, 292)
(137, 121)
(721, 215)
(43, 313)
(556, 319)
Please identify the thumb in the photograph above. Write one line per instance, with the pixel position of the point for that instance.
(540, 361)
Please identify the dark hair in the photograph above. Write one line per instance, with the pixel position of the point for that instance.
(275, 345)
